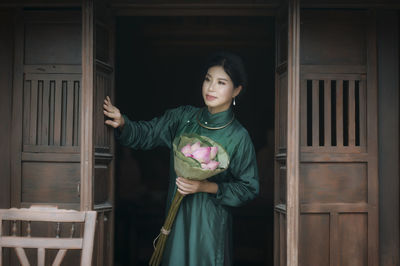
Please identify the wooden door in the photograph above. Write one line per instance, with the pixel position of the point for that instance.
(97, 148)
(339, 166)
(287, 95)
(45, 119)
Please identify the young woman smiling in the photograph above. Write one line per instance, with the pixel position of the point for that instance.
(201, 234)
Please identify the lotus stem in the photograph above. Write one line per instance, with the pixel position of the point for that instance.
(156, 258)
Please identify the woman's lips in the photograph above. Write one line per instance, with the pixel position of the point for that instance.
(210, 97)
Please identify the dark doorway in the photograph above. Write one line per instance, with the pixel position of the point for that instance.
(158, 66)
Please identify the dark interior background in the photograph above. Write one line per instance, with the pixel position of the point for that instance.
(158, 66)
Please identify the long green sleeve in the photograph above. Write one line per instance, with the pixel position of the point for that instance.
(146, 135)
(244, 184)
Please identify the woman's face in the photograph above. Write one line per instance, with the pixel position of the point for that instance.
(218, 90)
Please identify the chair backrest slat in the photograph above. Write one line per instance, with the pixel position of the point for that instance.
(22, 256)
(41, 242)
(59, 257)
(49, 214)
(42, 216)
(40, 257)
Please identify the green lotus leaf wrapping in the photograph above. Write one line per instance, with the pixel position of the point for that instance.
(190, 168)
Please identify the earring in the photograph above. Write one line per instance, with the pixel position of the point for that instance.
(234, 103)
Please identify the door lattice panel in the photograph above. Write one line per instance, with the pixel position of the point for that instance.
(333, 113)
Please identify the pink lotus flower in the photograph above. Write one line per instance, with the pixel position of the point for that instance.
(195, 146)
(212, 165)
(202, 154)
(213, 152)
(187, 150)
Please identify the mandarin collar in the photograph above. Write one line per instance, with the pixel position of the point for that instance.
(215, 120)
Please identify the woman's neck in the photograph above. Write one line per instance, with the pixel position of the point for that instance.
(215, 110)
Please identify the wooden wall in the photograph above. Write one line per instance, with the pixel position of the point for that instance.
(6, 59)
(388, 68)
(6, 70)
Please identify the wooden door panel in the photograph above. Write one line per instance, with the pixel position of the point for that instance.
(287, 99)
(334, 112)
(328, 43)
(51, 111)
(45, 45)
(46, 114)
(46, 122)
(97, 148)
(333, 183)
(313, 240)
(353, 239)
(338, 170)
(50, 182)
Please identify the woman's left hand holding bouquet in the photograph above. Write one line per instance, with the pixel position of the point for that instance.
(187, 186)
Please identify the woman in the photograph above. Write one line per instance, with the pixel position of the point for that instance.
(201, 234)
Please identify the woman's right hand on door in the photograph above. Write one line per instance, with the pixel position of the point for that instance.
(112, 112)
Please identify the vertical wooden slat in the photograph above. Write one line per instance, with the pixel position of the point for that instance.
(100, 239)
(98, 88)
(363, 112)
(106, 129)
(87, 147)
(79, 112)
(57, 112)
(40, 256)
(64, 112)
(327, 113)
(22, 256)
(339, 113)
(45, 113)
(373, 166)
(303, 112)
(26, 111)
(76, 113)
(17, 113)
(70, 113)
(99, 117)
(293, 135)
(282, 248)
(333, 235)
(315, 113)
(352, 113)
(33, 113)
(39, 112)
(87, 250)
(51, 111)
(59, 257)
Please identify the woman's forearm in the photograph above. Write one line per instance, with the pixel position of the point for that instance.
(209, 187)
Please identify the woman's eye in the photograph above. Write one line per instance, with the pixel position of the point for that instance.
(221, 83)
(207, 79)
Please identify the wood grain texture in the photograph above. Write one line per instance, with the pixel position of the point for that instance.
(293, 142)
(6, 62)
(341, 180)
(389, 194)
(87, 146)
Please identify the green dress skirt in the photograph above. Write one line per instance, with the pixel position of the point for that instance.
(201, 234)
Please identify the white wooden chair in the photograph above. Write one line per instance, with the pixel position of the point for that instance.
(48, 214)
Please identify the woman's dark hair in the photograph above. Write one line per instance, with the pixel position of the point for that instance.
(232, 65)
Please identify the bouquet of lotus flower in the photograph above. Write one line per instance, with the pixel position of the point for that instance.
(197, 158)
